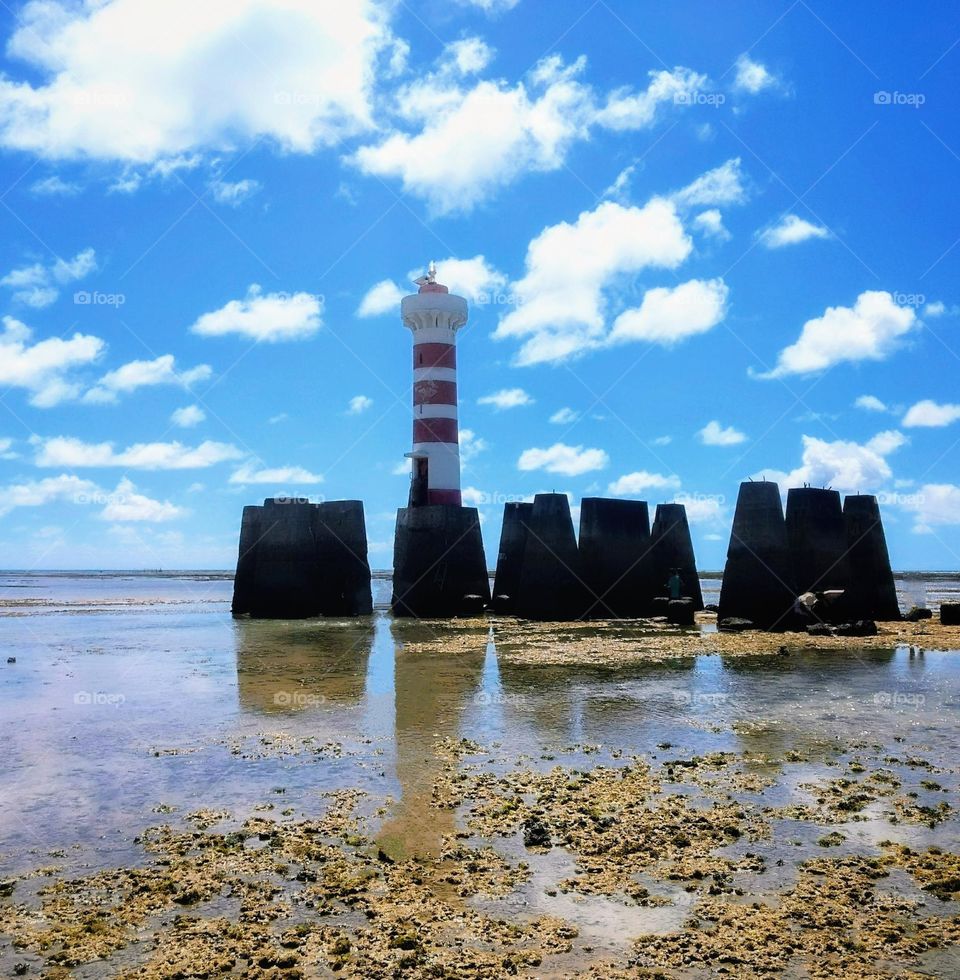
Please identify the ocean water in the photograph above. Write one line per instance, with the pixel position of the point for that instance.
(138, 694)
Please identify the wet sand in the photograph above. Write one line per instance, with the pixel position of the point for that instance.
(475, 799)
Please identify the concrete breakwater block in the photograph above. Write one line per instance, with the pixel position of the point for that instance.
(680, 612)
(950, 613)
(513, 539)
(673, 549)
(871, 592)
(551, 579)
(818, 539)
(616, 557)
(439, 568)
(298, 559)
(758, 583)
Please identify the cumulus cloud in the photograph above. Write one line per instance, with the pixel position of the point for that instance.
(934, 505)
(561, 458)
(44, 368)
(846, 466)
(714, 434)
(669, 315)
(144, 374)
(752, 77)
(125, 504)
(69, 451)
(38, 285)
(467, 142)
(562, 298)
(233, 193)
(471, 445)
(254, 473)
(468, 55)
(54, 186)
(139, 82)
(564, 416)
(870, 330)
(382, 298)
(489, 6)
(506, 398)
(358, 404)
(929, 414)
(188, 416)
(38, 493)
(631, 484)
(710, 222)
(870, 403)
(724, 185)
(791, 230)
(702, 508)
(270, 317)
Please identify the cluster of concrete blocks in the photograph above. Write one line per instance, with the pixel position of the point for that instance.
(821, 547)
(619, 569)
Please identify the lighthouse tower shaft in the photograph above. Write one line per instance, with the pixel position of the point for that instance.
(434, 316)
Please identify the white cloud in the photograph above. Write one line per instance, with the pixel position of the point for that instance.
(846, 466)
(188, 416)
(469, 54)
(469, 142)
(143, 374)
(935, 309)
(618, 189)
(869, 331)
(723, 185)
(870, 403)
(560, 458)
(710, 222)
(662, 440)
(631, 484)
(790, 230)
(669, 315)
(234, 193)
(138, 81)
(44, 368)
(713, 434)
(6, 449)
(929, 414)
(54, 186)
(564, 416)
(490, 6)
(471, 445)
(269, 317)
(561, 300)
(934, 505)
(506, 398)
(382, 298)
(125, 504)
(474, 279)
(69, 451)
(752, 77)
(38, 285)
(702, 508)
(358, 404)
(249, 473)
(38, 493)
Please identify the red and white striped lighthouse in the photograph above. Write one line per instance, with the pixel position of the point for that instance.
(434, 316)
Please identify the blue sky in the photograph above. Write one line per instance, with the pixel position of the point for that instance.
(701, 242)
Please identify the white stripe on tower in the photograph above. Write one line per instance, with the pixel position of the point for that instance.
(434, 316)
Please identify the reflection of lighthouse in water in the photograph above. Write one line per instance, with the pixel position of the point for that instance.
(439, 567)
(434, 315)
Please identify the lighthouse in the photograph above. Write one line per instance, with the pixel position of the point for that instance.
(434, 315)
(439, 567)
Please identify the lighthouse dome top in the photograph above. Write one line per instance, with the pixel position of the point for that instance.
(433, 305)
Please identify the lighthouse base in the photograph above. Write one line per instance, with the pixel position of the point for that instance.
(439, 569)
(299, 559)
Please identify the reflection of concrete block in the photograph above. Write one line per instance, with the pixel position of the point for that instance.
(673, 548)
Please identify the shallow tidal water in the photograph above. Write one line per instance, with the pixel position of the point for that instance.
(135, 698)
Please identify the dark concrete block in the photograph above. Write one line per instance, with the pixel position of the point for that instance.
(616, 557)
(438, 563)
(299, 559)
(818, 539)
(860, 627)
(680, 612)
(551, 580)
(950, 613)
(673, 548)
(734, 624)
(659, 605)
(918, 613)
(758, 577)
(871, 591)
(513, 538)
